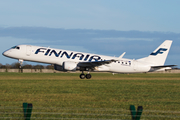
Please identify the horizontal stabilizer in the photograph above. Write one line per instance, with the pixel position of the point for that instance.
(163, 66)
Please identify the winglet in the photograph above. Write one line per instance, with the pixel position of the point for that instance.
(121, 55)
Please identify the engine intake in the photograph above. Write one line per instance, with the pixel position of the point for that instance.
(66, 66)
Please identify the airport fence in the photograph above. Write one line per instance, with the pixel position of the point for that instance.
(55, 71)
(30, 70)
(56, 113)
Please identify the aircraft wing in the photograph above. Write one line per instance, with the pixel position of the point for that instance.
(95, 63)
(98, 63)
(163, 66)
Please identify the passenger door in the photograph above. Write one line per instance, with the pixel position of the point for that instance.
(28, 50)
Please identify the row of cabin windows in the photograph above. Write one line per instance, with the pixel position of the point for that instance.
(124, 63)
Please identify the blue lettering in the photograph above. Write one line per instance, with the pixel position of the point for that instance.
(55, 53)
(68, 55)
(65, 53)
(47, 52)
(39, 50)
(87, 56)
(96, 58)
(79, 55)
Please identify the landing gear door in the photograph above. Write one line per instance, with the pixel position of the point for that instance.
(28, 50)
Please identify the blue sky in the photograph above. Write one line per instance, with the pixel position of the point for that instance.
(152, 15)
(96, 26)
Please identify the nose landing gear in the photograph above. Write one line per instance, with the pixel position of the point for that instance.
(20, 66)
(21, 62)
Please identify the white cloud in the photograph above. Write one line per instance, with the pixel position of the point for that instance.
(124, 39)
(93, 14)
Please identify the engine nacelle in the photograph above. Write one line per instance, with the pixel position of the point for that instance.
(66, 66)
(58, 67)
(69, 66)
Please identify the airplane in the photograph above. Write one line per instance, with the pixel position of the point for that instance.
(64, 60)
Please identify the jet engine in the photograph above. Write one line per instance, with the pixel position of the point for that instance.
(66, 66)
(69, 66)
(58, 67)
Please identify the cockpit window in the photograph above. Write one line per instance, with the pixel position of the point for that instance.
(16, 47)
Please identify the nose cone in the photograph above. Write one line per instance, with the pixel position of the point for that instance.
(5, 53)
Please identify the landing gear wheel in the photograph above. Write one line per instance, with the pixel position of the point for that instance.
(88, 76)
(82, 76)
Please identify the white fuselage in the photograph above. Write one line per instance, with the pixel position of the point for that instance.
(58, 56)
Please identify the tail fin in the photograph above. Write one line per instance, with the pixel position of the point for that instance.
(158, 57)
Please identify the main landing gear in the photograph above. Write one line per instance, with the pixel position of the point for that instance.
(87, 76)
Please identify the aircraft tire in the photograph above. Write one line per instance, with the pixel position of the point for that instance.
(88, 76)
(82, 76)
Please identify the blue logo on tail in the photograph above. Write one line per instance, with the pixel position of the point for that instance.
(160, 51)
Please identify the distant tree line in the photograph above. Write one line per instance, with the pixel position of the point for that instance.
(25, 66)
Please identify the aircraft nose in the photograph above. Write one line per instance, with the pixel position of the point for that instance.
(5, 53)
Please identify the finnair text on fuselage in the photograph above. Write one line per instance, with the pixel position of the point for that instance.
(72, 55)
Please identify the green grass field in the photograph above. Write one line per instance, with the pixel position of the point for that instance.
(105, 96)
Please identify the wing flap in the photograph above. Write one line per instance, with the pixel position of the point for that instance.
(95, 63)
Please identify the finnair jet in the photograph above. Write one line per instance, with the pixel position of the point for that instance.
(64, 60)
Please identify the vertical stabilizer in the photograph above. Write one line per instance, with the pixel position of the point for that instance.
(158, 57)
